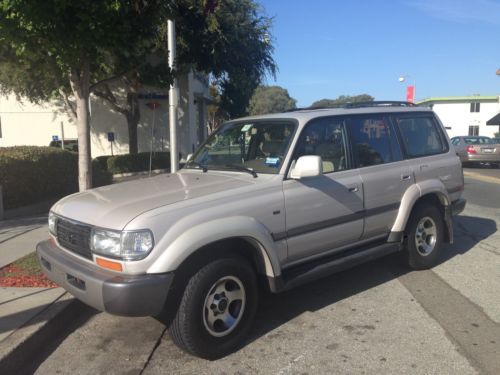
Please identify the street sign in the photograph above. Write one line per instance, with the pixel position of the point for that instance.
(111, 136)
(55, 137)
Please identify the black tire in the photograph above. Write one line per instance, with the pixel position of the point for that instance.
(191, 327)
(424, 237)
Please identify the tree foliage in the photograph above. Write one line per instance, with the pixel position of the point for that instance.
(342, 99)
(270, 99)
(67, 49)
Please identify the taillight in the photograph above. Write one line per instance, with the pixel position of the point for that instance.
(470, 150)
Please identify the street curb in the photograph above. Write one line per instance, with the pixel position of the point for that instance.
(26, 332)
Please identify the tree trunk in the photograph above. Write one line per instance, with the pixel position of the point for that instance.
(133, 115)
(80, 86)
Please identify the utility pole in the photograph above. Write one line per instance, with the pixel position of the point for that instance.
(173, 99)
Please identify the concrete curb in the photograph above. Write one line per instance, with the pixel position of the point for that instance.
(29, 329)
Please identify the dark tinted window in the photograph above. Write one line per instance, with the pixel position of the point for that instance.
(373, 141)
(421, 136)
(325, 137)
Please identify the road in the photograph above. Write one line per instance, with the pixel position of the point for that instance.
(376, 318)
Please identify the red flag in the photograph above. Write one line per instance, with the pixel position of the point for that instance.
(410, 94)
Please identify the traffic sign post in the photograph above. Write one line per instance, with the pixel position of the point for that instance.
(111, 139)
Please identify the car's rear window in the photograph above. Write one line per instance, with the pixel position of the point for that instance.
(477, 140)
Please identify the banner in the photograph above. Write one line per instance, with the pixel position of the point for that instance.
(410, 94)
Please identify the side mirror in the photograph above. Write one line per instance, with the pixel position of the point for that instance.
(307, 166)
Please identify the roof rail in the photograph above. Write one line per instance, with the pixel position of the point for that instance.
(379, 103)
(358, 105)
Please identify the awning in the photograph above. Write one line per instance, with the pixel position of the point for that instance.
(495, 120)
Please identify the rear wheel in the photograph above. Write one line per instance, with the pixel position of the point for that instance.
(424, 236)
(217, 308)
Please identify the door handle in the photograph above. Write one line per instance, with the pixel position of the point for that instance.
(405, 177)
(353, 189)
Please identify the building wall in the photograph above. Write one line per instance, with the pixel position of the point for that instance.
(24, 123)
(457, 118)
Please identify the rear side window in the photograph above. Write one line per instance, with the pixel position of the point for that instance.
(421, 136)
(373, 141)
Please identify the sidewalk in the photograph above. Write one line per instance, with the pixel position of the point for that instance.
(23, 311)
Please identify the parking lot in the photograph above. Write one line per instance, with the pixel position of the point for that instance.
(376, 318)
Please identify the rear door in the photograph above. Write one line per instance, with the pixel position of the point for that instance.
(384, 173)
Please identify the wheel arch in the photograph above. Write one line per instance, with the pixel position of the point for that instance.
(430, 192)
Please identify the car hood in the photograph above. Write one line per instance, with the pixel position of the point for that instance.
(113, 206)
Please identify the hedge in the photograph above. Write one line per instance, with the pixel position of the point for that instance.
(32, 174)
(137, 162)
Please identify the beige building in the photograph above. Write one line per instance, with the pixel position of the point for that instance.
(24, 123)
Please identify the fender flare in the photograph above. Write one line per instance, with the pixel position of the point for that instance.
(220, 229)
(411, 196)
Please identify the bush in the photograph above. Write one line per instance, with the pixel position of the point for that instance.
(31, 174)
(138, 162)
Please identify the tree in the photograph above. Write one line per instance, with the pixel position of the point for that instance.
(342, 99)
(63, 48)
(270, 99)
(227, 39)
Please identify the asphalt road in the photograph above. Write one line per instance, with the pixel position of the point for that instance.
(378, 318)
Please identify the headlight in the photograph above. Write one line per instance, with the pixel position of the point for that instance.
(126, 245)
(52, 223)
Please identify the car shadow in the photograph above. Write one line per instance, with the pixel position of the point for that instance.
(277, 309)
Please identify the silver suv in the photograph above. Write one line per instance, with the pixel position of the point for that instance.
(273, 201)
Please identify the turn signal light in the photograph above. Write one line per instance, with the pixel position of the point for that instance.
(115, 266)
(470, 150)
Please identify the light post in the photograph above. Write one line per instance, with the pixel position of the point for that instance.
(411, 90)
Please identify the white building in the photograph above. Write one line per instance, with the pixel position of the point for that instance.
(24, 123)
(466, 115)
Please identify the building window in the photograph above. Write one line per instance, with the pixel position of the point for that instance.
(473, 130)
(475, 106)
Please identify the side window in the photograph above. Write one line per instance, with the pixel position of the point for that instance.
(455, 141)
(373, 140)
(325, 137)
(421, 136)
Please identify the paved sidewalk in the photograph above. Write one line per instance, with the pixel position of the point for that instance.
(23, 311)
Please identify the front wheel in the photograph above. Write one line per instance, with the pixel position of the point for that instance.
(424, 237)
(217, 308)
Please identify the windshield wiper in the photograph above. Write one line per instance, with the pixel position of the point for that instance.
(201, 166)
(243, 169)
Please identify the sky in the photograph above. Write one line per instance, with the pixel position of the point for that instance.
(325, 49)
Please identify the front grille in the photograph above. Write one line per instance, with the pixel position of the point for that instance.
(74, 237)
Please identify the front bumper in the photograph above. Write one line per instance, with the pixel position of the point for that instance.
(137, 295)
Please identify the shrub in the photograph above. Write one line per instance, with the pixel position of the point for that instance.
(32, 174)
(138, 162)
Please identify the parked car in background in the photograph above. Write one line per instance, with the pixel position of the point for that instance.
(69, 144)
(477, 150)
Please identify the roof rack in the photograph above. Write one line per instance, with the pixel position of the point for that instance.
(358, 105)
(379, 104)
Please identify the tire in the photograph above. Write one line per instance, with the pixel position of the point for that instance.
(223, 289)
(424, 237)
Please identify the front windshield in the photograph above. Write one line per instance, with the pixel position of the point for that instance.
(260, 146)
